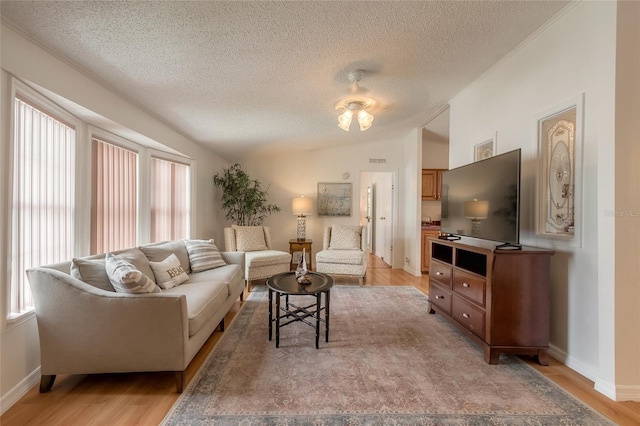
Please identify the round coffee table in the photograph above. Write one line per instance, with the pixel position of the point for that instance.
(286, 284)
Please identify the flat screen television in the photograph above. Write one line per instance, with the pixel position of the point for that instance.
(482, 199)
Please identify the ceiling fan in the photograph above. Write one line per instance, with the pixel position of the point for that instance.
(356, 103)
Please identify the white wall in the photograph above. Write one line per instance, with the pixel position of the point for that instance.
(296, 174)
(574, 54)
(19, 349)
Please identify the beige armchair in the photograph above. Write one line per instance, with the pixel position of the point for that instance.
(344, 252)
(260, 260)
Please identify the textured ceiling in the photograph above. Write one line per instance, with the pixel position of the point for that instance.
(240, 76)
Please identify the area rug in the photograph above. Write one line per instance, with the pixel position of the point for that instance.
(387, 362)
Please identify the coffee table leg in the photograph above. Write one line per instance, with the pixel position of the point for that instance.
(270, 313)
(318, 313)
(277, 320)
(326, 316)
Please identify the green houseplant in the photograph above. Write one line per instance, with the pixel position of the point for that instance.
(243, 199)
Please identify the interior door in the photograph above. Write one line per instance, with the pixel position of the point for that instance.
(383, 216)
(370, 216)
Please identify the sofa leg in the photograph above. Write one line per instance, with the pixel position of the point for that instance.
(179, 381)
(46, 382)
(242, 296)
(361, 281)
(221, 325)
(248, 286)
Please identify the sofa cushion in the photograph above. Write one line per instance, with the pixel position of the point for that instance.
(169, 273)
(126, 278)
(227, 274)
(204, 300)
(250, 238)
(203, 255)
(345, 257)
(92, 272)
(157, 252)
(345, 237)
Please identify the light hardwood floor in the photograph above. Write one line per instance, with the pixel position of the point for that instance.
(145, 398)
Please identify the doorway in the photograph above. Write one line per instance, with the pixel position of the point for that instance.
(377, 211)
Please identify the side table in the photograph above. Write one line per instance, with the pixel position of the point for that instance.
(285, 284)
(297, 246)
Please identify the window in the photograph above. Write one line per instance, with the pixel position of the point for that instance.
(113, 197)
(43, 209)
(169, 200)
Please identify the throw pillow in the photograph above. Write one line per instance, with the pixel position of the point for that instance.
(203, 255)
(126, 278)
(138, 260)
(345, 237)
(92, 272)
(169, 273)
(157, 252)
(250, 238)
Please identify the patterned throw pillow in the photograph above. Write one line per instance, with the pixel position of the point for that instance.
(345, 237)
(203, 255)
(169, 273)
(126, 278)
(250, 238)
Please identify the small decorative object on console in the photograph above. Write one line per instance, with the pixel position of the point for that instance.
(301, 271)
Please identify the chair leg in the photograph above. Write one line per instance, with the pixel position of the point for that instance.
(46, 382)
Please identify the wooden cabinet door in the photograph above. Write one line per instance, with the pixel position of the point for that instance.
(439, 184)
(429, 184)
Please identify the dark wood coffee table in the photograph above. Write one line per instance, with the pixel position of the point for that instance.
(286, 284)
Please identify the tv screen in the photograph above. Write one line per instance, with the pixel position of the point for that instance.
(482, 199)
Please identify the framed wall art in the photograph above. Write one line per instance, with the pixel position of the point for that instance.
(560, 172)
(334, 199)
(485, 149)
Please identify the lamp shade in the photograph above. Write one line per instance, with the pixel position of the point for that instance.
(476, 209)
(302, 206)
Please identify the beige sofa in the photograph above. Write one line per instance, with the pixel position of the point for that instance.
(85, 329)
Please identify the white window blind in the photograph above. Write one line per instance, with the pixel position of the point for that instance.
(43, 197)
(170, 209)
(114, 203)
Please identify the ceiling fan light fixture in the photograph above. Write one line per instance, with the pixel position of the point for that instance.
(356, 102)
(364, 119)
(344, 119)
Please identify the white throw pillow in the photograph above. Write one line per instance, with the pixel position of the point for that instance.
(126, 278)
(250, 238)
(203, 255)
(169, 273)
(345, 237)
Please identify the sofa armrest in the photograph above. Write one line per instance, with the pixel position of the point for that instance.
(233, 257)
(85, 330)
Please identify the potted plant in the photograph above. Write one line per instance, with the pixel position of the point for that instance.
(243, 199)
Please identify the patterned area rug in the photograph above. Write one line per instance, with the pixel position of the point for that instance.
(387, 362)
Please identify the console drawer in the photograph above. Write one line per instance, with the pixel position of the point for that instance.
(440, 297)
(470, 316)
(469, 286)
(440, 272)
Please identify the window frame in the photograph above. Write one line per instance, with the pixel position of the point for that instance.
(26, 94)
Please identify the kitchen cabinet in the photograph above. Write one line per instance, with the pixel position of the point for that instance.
(432, 184)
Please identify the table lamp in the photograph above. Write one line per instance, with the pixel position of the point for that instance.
(302, 207)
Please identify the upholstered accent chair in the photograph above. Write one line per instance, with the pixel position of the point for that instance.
(344, 252)
(253, 243)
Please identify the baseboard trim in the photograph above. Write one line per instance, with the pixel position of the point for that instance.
(627, 393)
(587, 371)
(19, 391)
(606, 388)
